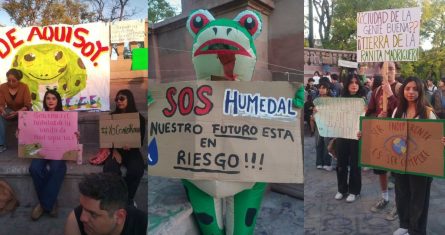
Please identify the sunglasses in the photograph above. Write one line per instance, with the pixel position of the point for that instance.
(120, 98)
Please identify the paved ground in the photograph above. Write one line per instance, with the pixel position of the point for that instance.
(280, 214)
(325, 215)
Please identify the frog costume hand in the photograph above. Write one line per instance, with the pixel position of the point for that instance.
(51, 65)
(224, 48)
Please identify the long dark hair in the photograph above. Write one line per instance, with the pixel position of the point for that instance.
(421, 102)
(57, 95)
(131, 105)
(361, 91)
(16, 73)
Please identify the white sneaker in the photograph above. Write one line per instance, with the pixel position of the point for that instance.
(338, 196)
(401, 231)
(2, 148)
(351, 198)
(319, 167)
(328, 168)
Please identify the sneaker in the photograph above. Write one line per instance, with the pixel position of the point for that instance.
(327, 168)
(392, 215)
(319, 167)
(37, 212)
(54, 211)
(2, 148)
(391, 185)
(380, 205)
(338, 196)
(401, 231)
(351, 198)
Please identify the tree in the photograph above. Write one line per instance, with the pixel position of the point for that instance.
(106, 10)
(159, 10)
(44, 12)
(324, 10)
(311, 24)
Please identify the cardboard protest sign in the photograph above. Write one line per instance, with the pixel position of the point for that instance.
(120, 130)
(48, 135)
(339, 117)
(230, 131)
(404, 146)
(388, 35)
(128, 31)
(73, 58)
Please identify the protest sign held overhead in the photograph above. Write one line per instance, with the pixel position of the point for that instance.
(403, 146)
(219, 130)
(388, 35)
(73, 58)
(48, 135)
(339, 117)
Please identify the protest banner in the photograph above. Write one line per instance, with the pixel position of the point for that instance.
(339, 117)
(128, 31)
(120, 130)
(347, 64)
(73, 58)
(388, 35)
(404, 146)
(48, 135)
(223, 130)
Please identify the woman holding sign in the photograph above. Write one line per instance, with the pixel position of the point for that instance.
(347, 151)
(14, 96)
(131, 158)
(412, 191)
(47, 182)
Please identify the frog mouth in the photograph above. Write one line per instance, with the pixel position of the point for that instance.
(41, 78)
(221, 46)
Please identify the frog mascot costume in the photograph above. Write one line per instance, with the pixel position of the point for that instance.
(224, 48)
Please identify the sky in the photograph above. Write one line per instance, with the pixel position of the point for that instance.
(141, 5)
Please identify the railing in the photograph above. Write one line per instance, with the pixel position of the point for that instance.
(314, 56)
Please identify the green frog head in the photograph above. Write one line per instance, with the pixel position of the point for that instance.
(224, 47)
(50, 64)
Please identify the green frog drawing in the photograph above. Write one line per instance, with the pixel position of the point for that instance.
(50, 64)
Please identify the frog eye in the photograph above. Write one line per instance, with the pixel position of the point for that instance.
(58, 55)
(197, 20)
(29, 57)
(251, 21)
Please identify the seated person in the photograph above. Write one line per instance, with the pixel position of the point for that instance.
(103, 208)
(14, 96)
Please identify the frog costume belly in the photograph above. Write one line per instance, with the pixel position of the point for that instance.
(224, 48)
(50, 65)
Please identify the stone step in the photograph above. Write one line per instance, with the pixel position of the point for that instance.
(170, 213)
(14, 170)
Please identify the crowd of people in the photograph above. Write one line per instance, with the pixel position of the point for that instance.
(107, 200)
(409, 98)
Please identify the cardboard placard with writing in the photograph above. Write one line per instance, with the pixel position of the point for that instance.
(404, 146)
(223, 130)
(339, 117)
(120, 130)
(388, 35)
(48, 135)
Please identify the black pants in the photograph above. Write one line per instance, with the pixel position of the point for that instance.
(347, 155)
(134, 163)
(412, 200)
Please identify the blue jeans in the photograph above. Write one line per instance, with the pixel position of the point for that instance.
(3, 124)
(47, 182)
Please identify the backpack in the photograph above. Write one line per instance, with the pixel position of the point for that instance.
(8, 199)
